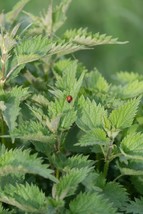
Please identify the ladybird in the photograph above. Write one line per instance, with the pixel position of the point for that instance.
(69, 98)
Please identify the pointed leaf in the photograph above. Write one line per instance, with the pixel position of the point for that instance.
(18, 161)
(68, 183)
(90, 115)
(94, 137)
(25, 197)
(123, 116)
(132, 146)
(91, 203)
(135, 207)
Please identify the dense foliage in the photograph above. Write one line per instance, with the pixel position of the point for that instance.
(70, 141)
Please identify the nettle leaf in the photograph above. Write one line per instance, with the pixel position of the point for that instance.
(130, 90)
(134, 168)
(40, 99)
(124, 77)
(65, 164)
(12, 15)
(12, 100)
(132, 146)
(70, 80)
(25, 197)
(94, 182)
(116, 194)
(62, 48)
(13, 69)
(94, 137)
(20, 161)
(91, 203)
(123, 116)
(83, 37)
(33, 131)
(95, 81)
(90, 115)
(32, 49)
(135, 207)
(79, 161)
(59, 14)
(68, 118)
(68, 184)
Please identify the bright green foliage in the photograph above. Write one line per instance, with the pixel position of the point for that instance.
(21, 196)
(127, 77)
(31, 49)
(11, 101)
(90, 203)
(123, 116)
(132, 146)
(90, 115)
(18, 161)
(94, 137)
(58, 155)
(95, 81)
(129, 90)
(69, 183)
(83, 37)
(132, 150)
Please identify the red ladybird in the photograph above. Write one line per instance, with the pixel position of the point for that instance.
(69, 98)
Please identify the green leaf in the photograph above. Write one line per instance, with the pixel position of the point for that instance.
(20, 161)
(132, 170)
(32, 49)
(90, 115)
(116, 194)
(62, 48)
(12, 100)
(82, 37)
(33, 131)
(124, 77)
(63, 163)
(95, 81)
(12, 15)
(135, 207)
(123, 116)
(130, 90)
(25, 197)
(90, 203)
(70, 80)
(132, 146)
(59, 14)
(94, 137)
(69, 183)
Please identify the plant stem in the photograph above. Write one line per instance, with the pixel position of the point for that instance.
(57, 173)
(2, 130)
(108, 158)
(106, 167)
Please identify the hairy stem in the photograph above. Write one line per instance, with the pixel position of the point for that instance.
(106, 167)
(108, 158)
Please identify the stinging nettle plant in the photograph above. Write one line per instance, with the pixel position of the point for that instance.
(70, 141)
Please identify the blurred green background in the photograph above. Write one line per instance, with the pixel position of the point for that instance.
(120, 18)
